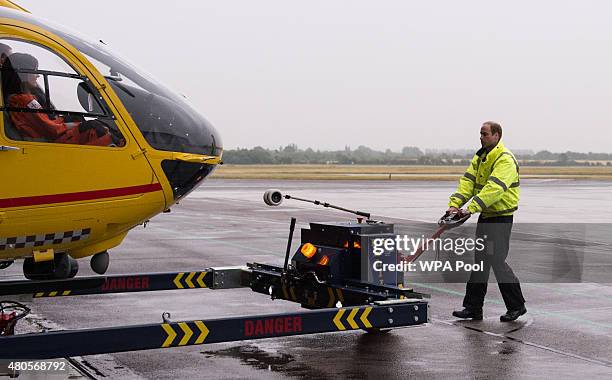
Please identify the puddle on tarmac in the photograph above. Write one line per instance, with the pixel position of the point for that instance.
(257, 358)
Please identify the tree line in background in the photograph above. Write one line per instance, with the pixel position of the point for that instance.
(409, 155)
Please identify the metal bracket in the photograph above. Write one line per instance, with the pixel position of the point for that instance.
(227, 277)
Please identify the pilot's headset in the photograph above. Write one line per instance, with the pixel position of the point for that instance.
(22, 61)
(14, 85)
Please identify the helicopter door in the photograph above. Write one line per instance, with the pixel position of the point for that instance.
(61, 144)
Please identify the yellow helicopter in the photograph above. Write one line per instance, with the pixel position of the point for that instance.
(90, 147)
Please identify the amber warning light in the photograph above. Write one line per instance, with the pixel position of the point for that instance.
(323, 260)
(308, 250)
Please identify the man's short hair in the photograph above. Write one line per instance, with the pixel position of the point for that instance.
(495, 128)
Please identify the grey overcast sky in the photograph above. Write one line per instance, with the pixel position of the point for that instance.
(385, 74)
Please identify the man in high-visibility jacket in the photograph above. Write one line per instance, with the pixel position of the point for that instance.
(492, 182)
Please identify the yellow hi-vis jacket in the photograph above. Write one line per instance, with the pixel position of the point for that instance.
(492, 181)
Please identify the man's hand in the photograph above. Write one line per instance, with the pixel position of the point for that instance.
(452, 210)
(463, 212)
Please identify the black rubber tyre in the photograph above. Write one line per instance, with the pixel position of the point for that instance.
(99, 262)
(74, 267)
(36, 271)
(63, 266)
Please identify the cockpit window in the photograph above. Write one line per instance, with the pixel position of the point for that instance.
(165, 119)
(45, 100)
(47, 60)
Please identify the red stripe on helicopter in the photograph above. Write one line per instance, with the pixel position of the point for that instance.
(81, 196)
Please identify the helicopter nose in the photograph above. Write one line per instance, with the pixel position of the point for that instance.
(184, 177)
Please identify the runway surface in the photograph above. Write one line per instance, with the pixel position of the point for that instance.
(567, 331)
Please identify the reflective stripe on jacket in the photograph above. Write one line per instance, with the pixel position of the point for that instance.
(491, 181)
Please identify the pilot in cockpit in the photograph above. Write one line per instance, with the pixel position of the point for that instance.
(21, 91)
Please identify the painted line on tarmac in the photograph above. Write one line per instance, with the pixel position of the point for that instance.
(531, 310)
(527, 343)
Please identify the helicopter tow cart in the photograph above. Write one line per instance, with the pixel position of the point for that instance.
(330, 275)
(371, 309)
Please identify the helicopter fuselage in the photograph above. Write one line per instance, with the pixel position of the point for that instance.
(139, 147)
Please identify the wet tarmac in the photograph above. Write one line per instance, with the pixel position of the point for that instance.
(567, 331)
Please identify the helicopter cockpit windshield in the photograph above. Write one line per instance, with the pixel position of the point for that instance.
(165, 119)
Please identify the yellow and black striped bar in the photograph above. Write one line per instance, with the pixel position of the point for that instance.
(213, 278)
(353, 318)
(58, 344)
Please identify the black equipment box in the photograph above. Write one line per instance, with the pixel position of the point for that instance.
(351, 254)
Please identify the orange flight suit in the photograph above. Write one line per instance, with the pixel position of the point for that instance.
(39, 125)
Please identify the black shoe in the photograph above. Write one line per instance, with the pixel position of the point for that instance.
(475, 315)
(512, 315)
